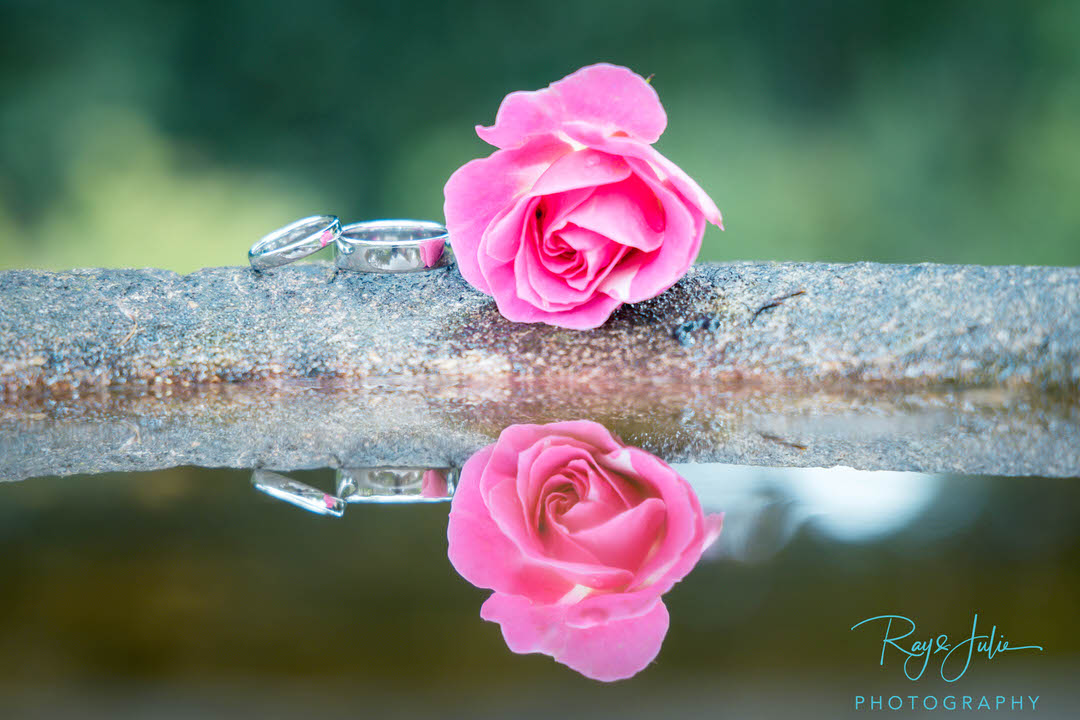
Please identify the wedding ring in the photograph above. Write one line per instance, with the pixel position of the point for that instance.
(294, 241)
(395, 484)
(297, 493)
(392, 246)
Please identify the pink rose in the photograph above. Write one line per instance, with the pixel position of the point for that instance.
(579, 536)
(576, 213)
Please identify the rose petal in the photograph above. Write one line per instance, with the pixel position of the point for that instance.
(537, 284)
(646, 275)
(668, 171)
(587, 514)
(714, 523)
(545, 468)
(626, 539)
(482, 554)
(560, 545)
(503, 238)
(561, 259)
(555, 291)
(683, 542)
(599, 255)
(588, 431)
(542, 458)
(586, 316)
(518, 301)
(601, 502)
(580, 169)
(481, 189)
(609, 651)
(598, 608)
(628, 213)
(498, 492)
(549, 454)
(514, 280)
(556, 206)
(585, 434)
(610, 97)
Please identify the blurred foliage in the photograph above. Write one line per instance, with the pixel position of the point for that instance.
(175, 133)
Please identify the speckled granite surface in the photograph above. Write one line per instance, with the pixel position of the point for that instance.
(777, 323)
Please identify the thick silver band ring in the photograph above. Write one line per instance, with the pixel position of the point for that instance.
(393, 246)
(396, 484)
(294, 241)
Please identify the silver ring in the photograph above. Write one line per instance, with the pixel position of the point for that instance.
(393, 246)
(396, 484)
(297, 493)
(294, 241)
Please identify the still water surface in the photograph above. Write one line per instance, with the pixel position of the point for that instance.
(187, 592)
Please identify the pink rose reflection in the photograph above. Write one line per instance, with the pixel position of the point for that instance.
(434, 486)
(576, 212)
(579, 536)
(431, 251)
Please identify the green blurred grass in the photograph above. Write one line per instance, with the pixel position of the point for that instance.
(174, 134)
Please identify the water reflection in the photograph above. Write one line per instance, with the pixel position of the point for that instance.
(396, 484)
(765, 507)
(361, 485)
(132, 585)
(297, 493)
(579, 535)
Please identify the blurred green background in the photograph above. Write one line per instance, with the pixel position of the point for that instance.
(174, 134)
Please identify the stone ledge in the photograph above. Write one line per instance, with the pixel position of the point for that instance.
(733, 322)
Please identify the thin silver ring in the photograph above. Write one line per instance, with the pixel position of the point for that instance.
(294, 241)
(297, 493)
(392, 246)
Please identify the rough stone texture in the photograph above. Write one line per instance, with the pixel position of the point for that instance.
(297, 424)
(926, 367)
(786, 323)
